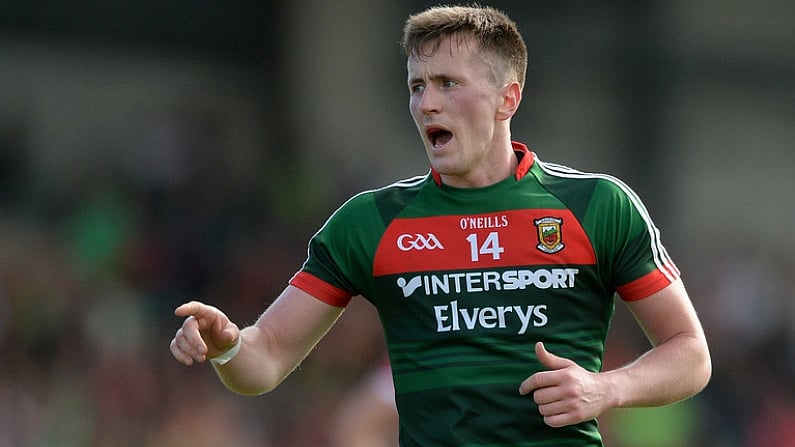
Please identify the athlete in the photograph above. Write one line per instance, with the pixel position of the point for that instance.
(494, 275)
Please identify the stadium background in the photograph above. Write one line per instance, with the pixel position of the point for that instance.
(153, 152)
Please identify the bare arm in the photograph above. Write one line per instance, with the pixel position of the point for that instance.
(368, 416)
(678, 366)
(271, 348)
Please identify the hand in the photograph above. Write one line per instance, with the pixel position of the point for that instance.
(566, 394)
(205, 333)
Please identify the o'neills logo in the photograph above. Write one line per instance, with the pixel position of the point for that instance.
(550, 239)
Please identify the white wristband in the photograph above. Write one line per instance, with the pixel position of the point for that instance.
(224, 358)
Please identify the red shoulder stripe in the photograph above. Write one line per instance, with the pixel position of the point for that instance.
(321, 290)
(644, 286)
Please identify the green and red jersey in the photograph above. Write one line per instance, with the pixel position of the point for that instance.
(466, 281)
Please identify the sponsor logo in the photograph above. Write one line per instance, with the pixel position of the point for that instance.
(487, 281)
(408, 287)
(550, 238)
(406, 242)
(451, 318)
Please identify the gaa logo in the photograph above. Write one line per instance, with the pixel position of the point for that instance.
(406, 242)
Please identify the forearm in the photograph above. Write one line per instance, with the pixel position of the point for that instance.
(276, 344)
(672, 371)
(256, 368)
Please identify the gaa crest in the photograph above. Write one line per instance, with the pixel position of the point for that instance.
(550, 239)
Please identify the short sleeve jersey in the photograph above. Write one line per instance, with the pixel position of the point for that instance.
(466, 281)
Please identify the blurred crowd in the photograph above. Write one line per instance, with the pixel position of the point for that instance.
(89, 278)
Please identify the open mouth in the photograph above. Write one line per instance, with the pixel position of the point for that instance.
(439, 137)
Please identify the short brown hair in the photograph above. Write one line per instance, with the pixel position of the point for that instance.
(493, 29)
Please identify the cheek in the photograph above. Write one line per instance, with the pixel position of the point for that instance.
(471, 102)
(414, 109)
(475, 110)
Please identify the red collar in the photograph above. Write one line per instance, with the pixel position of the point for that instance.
(526, 159)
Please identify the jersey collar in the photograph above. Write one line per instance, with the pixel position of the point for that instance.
(524, 155)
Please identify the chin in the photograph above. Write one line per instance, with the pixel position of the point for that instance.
(444, 168)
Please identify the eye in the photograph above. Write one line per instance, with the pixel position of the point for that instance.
(416, 88)
(448, 83)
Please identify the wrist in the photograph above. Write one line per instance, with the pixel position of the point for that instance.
(224, 358)
(615, 388)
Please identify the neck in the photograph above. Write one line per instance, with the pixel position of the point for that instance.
(501, 164)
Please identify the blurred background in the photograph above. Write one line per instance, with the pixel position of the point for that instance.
(156, 152)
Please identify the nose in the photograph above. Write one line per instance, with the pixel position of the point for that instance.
(429, 101)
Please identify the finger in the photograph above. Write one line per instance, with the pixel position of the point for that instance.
(543, 378)
(179, 354)
(191, 332)
(532, 383)
(225, 334)
(559, 420)
(210, 319)
(552, 409)
(546, 395)
(190, 308)
(550, 360)
(222, 327)
(190, 340)
(187, 352)
(229, 334)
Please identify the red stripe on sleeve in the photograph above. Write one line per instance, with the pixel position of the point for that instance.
(644, 286)
(321, 290)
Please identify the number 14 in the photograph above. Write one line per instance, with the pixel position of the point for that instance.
(491, 246)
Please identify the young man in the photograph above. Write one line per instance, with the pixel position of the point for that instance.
(494, 275)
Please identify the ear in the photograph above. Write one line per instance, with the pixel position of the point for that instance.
(511, 97)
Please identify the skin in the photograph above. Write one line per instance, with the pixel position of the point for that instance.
(365, 418)
(454, 90)
(271, 348)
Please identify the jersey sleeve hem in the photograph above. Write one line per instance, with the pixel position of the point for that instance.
(321, 290)
(644, 286)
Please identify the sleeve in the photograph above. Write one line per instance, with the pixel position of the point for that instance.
(321, 289)
(339, 256)
(639, 263)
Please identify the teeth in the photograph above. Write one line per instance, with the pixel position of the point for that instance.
(441, 138)
(438, 137)
(433, 136)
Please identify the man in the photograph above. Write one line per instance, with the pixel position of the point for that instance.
(494, 275)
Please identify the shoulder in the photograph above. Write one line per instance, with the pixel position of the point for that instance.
(583, 191)
(375, 206)
(550, 173)
(383, 201)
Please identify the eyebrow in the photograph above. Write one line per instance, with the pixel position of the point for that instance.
(436, 77)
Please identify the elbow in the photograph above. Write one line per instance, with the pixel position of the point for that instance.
(249, 389)
(705, 369)
(701, 368)
(696, 369)
(250, 392)
(251, 384)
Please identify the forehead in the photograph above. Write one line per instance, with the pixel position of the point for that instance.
(448, 53)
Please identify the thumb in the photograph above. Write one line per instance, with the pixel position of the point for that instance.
(549, 359)
(225, 333)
